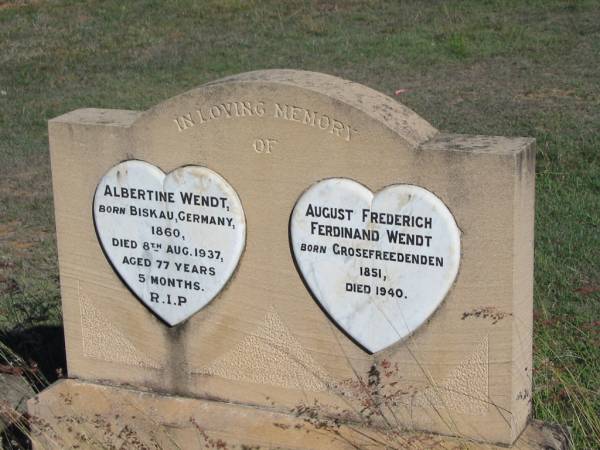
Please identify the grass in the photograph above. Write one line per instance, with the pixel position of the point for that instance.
(500, 67)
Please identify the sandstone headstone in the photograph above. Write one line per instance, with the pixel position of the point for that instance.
(427, 327)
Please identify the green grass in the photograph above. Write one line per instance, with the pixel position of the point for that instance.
(487, 67)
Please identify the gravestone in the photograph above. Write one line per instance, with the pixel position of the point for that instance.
(295, 252)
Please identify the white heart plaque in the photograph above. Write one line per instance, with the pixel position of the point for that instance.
(379, 264)
(174, 239)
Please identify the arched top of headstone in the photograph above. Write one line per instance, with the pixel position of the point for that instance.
(407, 124)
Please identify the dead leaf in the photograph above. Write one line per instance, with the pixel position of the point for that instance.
(586, 290)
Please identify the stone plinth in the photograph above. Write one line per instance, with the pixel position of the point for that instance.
(90, 415)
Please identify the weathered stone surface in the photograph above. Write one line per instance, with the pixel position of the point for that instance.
(14, 393)
(89, 415)
(271, 135)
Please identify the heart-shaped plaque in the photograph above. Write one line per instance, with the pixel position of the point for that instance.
(174, 239)
(379, 264)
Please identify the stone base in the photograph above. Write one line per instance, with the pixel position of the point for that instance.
(14, 392)
(76, 414)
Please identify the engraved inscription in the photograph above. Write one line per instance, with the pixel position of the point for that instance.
(379, 264)
(315, 119)
(228, 110)
(184, 122)
(309, 117)
(264, 145)
(174, 239)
